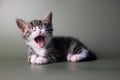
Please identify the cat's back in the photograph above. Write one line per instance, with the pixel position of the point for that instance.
(65, 40)
(61, 42)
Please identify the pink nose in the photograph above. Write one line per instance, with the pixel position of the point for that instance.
(38, 32)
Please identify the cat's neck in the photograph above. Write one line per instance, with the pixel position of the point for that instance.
(39, 51)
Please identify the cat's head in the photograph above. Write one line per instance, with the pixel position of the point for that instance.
(37, 31)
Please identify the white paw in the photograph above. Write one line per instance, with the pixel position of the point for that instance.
(69, 56)
(33, 59)
(75, 58)
(41, 60)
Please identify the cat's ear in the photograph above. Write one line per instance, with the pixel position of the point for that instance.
(48, 18)
(21, 24)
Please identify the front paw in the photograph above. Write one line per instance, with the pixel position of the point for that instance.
(33, 59)
(41, 60)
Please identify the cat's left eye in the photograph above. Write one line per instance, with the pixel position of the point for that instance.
(34, 28)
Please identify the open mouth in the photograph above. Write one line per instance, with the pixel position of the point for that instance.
(40, 41)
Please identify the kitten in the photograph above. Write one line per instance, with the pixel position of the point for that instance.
(44, 48)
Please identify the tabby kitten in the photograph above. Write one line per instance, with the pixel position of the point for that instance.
(44, 48)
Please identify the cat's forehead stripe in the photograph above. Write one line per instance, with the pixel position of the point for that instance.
(35, 23)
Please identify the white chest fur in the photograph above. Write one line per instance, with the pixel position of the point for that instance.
(39, 51)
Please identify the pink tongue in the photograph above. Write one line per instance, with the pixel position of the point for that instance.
(41, 43)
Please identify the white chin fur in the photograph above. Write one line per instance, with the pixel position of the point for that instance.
(39, 51)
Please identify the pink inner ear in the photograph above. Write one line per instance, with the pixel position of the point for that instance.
(22, 29)
(48, 17)
(21, 24)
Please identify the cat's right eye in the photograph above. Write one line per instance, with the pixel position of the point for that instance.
(47, 25)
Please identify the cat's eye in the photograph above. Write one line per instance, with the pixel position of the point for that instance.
(47, 25)
(34, 28)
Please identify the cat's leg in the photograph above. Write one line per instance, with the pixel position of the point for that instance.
(30, 55)
(33, 59)
(77, 57)
(41, 60)
(69, 55)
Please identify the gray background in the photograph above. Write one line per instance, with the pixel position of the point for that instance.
(95, 22)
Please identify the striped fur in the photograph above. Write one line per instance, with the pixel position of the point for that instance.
(55, 48)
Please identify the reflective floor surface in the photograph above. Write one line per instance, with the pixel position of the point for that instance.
(94, 70)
